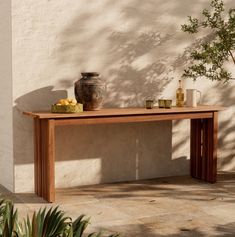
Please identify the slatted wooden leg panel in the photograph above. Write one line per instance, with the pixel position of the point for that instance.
(203, 163)
(210, 130)
(37, 157)
(44, 159)
(195, 145)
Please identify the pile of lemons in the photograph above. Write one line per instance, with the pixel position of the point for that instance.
(66, 102)
(67, 106)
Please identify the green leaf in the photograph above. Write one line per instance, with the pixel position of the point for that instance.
(210, 57)
(44, 223)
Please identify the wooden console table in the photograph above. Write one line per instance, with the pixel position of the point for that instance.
(203, 144)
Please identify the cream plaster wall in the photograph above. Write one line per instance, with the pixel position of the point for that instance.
(138, 48)
(6, 128)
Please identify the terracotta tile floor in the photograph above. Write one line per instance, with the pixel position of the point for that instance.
(175, 206)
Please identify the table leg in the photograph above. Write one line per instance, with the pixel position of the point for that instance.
(44, 154)
(203, 152)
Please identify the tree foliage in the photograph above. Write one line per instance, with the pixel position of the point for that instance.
(210, 58)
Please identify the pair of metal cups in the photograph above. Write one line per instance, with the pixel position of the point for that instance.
(161, 104)
(164, 103)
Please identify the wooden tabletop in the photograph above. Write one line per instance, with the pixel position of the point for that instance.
(113, 112)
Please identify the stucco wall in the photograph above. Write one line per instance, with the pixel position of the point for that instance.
(138, 48)
(6, 145)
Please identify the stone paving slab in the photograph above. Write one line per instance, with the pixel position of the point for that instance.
(175, 206)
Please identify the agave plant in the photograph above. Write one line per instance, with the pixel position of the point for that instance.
(8, 219)
(44, 223)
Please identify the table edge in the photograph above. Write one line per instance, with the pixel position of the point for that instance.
(44, 114)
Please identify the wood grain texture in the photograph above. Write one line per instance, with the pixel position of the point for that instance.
(130, 118)
(37, 157)
(203, 148)
(195, 148)
(203, 144)
(125, 112)
(44, 158)
(215, 127)
(48, 159)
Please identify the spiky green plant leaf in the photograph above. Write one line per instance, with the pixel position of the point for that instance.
(44, 223)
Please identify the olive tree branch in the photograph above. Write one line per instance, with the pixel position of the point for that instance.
(232, 56)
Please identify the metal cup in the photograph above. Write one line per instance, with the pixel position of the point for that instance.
(149, 104)
(168, 104)
(161, 103)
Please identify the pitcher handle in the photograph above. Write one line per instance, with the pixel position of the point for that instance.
(200, 95)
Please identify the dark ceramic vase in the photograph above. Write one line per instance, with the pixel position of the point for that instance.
(89, 90)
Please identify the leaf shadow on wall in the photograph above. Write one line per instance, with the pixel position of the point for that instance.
(135, 60)
(136, 54)
(224, 94)
(135, 50)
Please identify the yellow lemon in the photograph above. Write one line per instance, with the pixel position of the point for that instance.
(74, 101)
(61, 101)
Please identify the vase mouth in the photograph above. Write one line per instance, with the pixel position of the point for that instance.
(90, 74)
